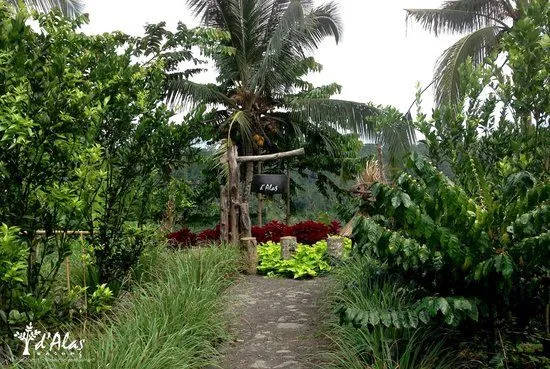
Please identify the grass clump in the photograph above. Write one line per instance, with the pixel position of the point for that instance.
(361, 284)
(172, 321)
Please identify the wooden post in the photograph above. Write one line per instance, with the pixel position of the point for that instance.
(335, 246)
(260, 200)
(233, 194)
(224, 214)
(279, 155)
(246, 226)
(288, 247)
(287, 194)
(238, 205)
(249, 253)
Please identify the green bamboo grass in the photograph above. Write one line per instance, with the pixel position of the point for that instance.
(357, 285)
(172, 321)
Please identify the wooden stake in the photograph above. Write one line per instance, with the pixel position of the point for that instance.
(84, 269)
(260, 200)
(288, 246)
(233, 194)
(335, 247)
(249, 253)
(287, 194)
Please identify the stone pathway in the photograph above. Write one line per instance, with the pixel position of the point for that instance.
(276, 324)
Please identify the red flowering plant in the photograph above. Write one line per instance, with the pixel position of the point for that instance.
(309, 232)
(272, 231)
(334, 227)
(210, 235)
(182, 238)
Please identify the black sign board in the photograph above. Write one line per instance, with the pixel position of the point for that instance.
(269, 184)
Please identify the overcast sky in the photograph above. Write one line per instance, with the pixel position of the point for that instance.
(380, 58)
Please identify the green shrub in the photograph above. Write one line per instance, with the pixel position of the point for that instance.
(362, 285)
(307, 261)
(466, 257)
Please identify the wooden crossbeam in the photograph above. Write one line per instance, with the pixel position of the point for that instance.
(279, 155)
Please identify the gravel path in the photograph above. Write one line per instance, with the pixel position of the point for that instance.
(277, 324)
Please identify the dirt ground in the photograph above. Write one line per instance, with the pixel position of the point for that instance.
(277, 323)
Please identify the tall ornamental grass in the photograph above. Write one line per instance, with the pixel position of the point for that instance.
(173, 320)
(360, 284)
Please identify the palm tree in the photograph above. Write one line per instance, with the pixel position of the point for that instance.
(261, 84)
(69, 8)
(484, 21)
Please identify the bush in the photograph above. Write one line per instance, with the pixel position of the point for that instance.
(307, 261)
(272, 231)
(310, 232)
(182, 238)
(210, 235)
(362, 285)
(475, 263)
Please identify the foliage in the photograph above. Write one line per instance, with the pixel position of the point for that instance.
(272, 231)
(182, 238)
(468, 264)
(362, 285)
(84, 140)
(482, 237)
(395, 135)
(450, 245)
(309, 232)
(504, 118)
(69, 8)
(101, 300)
(307, 261)
(13, 265)
(209, 235)
(174, 320)
(485, 22)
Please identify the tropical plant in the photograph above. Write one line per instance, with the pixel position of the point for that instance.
(265, 103)
(174, 319)
(467, 262)
(13, 268)
(484, 21)
(505, 114)
(307, 261)
(83, 141)
(69, 8)
(395, 135)
(361, 285)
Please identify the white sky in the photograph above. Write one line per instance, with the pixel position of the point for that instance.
(380, 58)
